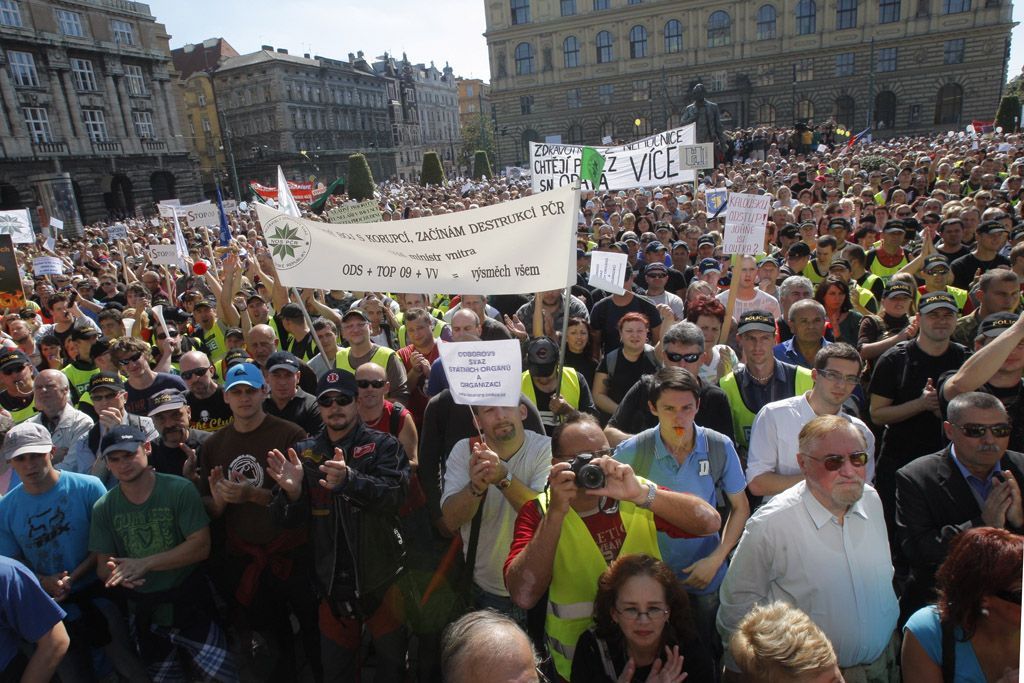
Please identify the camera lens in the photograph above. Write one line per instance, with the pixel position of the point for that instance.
(590, 477)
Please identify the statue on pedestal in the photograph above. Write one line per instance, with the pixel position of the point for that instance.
(705, 114)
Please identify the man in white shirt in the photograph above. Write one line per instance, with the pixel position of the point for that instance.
(501, 473)
(748, 296)
(771, 457)
(822, 546)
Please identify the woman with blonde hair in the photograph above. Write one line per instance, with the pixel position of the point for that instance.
(779, 643)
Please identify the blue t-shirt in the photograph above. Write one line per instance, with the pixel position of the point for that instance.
(925, 626)
(693, 476)
(26, 611)
(49, 532)
(437, 380)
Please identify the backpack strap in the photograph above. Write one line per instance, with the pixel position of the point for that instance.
(396, 418)
(948, 652)
(610, 361)
(644, 453)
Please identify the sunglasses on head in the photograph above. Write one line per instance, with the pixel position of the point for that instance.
(686, 357)
(339, 400)
(834, 461)
(170, 333)
(976, 431)
(367, 383)
(123, 362)
(195, 372)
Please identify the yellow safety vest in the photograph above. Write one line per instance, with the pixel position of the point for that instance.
(380, 357)
(578, 565)
(25, 413)
(742, 416)
(79, 379)
(311, 349)
(883, 272)
(812, 274)
(438, 329)
(214, 342)
(570, 389)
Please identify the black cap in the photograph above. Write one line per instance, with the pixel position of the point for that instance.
(342, 381)
(654, 246)
(935, 260)
(756, 321)
(706, 239)
(894, 226)
(990, 227)
(936, 300)
(83, 332)
(211, 303)
(168, 399)
(790, 230)
(839, 222)
(106, 380)
(898, 289)
(99, 347)
(798, 249)
(542, 356)
(995, 324)
(13, 357)
(122, 438)
(839, 263)
(235, 356)
(233, 332)
(355, 311)
(283, 360)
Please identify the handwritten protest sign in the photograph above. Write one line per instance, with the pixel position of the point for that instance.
(485, 373)
(697, 157)
(18, 224)
(608, 270)
(47, 265)
(163, 254)
(117, 231)
(748, 217)
(352, 212)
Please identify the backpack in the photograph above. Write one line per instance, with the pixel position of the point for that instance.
(717, 456)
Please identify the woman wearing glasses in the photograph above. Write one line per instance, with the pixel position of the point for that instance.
(973, 632)
(643, 630)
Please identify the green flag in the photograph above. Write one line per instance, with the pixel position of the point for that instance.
(592, 166)
(337, 187)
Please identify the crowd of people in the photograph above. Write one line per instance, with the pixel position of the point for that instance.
(803, 464)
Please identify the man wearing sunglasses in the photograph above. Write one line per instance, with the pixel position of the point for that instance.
(975, 481)
(205, 397)
(286, 400)
(821, 545)
(383, 415)
(132, 356)
(17, 377)
(357, 557)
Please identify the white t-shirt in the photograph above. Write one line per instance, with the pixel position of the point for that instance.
(762, 301)
(774, 438)
(530, 465)
(673, 301)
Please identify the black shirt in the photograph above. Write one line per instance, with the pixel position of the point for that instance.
(208, 414)
(302, 410)
(169, 460)
(627, 373)
(606, 316)
(965, 267)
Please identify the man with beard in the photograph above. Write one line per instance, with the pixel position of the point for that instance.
(205, 397)
(175, 451)
(821, 545)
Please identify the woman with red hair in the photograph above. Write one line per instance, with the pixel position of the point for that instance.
(973, 633)
(719, 359)
(623, 367)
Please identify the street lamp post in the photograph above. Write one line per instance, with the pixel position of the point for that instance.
(226, 136)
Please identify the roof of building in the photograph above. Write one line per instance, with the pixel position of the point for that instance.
(202, 57)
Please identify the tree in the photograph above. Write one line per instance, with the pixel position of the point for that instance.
(433, 171)
(360, 178)
(476, 137)
(1009, 111)
(481, 165)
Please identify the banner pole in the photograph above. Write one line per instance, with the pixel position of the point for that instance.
(567, 296)
(309, 322)
(734, 285)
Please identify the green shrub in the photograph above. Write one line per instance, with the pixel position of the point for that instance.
(481, 165)
(433, 171)
(360, 178)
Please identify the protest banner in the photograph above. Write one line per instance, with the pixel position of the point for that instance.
(355, 212)
(608, 271)
(47, 265)
(203, 214)
(697, 157)
(748, 217)
(647, 162)
(491, 250)
(163, 254)
(12, 296)
(716, 201)
(18, 224)
(484, 373)
(166, 210)
(169, 202)
(117, 231)
(56, 223)
(302, 192)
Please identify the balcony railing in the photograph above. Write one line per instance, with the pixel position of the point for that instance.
(106, 146)
(50, 149)
(154, 145)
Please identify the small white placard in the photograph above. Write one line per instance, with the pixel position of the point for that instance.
(484, 373)
(608, 271)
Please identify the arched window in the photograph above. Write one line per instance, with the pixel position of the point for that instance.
(520, 11)
(846, 14)
(885, 109)
(806, 15)
(844, 111)
(604, 47)
(673, 36)
(766, 115)
(719, 28)
(804, 111)
(949, 103)
(766, 22)
(637, 42)
(571, 51)
(608, 129)
(574, 136)
(524, 59)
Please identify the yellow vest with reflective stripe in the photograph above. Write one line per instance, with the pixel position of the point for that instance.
(214, 341)
(578, 565)
(742, 416)
(883, 272)
(438, 328)
(25, 413)
(78, 378)
(570, 389)
(380, 357)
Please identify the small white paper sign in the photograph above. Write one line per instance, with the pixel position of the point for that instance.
(1004, 146)
(117, 231)
(50, 243)
(56, 223)
(47, 265)
(822, 149)
(484, 373)
(606, 140)
(697, 157)
(163, 254)
(608, 271)
(748, 218)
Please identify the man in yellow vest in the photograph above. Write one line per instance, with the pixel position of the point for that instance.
(541, 385)
(355, 330)
(17, 378)
(566, 538)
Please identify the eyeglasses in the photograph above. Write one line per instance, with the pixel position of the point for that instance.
(657, 276)
(686, 357)
(339, 400)
(836, 376)
(1009, 596)
(170, 333)
(652, 613)
(13, 371)
(124, 362)
(833, 461)
(195, 372)
(976, 431)
(367, 383)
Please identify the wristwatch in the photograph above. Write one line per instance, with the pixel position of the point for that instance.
(507, 481)
(652, 491)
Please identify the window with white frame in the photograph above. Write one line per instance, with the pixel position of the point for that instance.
(38, 123)
(123, 32)
(135, 79)
(83, 75)
(95, 124)
(70, 23)
(10, 13)
(23, 68)
(143, 122)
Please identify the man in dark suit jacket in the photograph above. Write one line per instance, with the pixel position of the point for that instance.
(973, 482)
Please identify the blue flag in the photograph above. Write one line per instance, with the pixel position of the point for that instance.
(225, 231)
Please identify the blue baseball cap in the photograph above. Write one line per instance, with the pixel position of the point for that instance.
(243, 373)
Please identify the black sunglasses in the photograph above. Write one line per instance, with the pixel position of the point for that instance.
(170, 333)
(367, 383)
(339, 400)
(195, 372)
(833, 461)
(124, 362)
(976, 431)
(687, 357)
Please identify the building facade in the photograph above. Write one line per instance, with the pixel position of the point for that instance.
(586, 69)
(306, 114)
(86, 88)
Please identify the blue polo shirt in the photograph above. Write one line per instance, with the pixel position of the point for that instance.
(787, 354)
(980, 488)
(694, 477)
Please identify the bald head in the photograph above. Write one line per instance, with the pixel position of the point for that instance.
(466, 326)
(261, 342)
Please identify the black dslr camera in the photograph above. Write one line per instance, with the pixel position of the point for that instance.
(588, 475)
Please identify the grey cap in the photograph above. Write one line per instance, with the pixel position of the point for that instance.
(27, 437)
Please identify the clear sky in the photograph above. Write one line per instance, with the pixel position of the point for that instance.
(438, 30)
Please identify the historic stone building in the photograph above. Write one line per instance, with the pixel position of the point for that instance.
(86, 89)
(586, 69)
(306, 114)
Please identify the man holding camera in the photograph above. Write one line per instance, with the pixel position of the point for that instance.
(594, 510)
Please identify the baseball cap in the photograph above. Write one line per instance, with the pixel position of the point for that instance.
(27, 437)
(894, 226)
(839, 263)
(935, 260)
(756, 321)
(354, 311)
(629, 236)
(542, 356)
(243, 373)
(790, 230)
(205, 302)
(655, 266)
(654, 246)
(120, 438)
(341, 381)
(709, 265)
(936, 300)
(897, 289)
(168, 399)
(991, 226)
(798, 249)
(283, 360)
(995, 324)
(839, 223)
(84, 332)
(706, 239)
(236, 356)
(12, 358)
(767, 259)
(106, 380)
(680, 243)
(255, 295)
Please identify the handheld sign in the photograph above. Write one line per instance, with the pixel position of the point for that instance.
(117, 231)
(748, 218)
(715, 199)
(608, 271)
(485, 373)
(56, 223)
(17, 224)
(697, 157)
(163, 254)
(47, 265)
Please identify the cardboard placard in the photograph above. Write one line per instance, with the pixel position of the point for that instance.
(485, 373)
(697, 157)
(47, 265)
